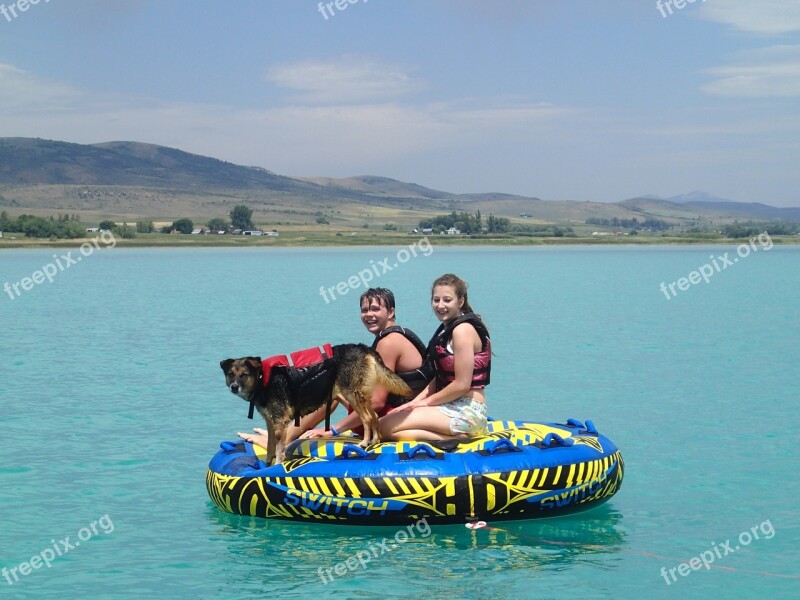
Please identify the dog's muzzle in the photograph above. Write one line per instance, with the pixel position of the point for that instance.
(237, 389)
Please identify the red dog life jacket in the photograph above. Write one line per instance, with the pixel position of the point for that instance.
(301, 358)
(312, 376)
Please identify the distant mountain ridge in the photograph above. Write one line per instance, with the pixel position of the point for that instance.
(34, 161)
(706, 201)
(26, 163)
(381, 186)
(696, 196)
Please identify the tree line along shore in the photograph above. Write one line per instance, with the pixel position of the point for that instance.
(448, 229)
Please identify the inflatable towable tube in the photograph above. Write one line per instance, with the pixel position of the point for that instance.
(520, 470)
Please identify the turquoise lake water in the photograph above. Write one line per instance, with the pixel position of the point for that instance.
(113, 403)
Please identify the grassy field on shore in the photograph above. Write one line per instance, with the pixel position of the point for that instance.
(323, 238)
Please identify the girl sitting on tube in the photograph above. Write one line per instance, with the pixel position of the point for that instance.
(454, 403)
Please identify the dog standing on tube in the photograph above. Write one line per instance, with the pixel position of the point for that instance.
(350, 375)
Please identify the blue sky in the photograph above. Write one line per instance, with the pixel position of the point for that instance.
(562, 100)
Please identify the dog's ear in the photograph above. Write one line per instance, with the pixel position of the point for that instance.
(254, 361)
(225, 364)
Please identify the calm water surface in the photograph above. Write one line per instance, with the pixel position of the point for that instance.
(113, 402)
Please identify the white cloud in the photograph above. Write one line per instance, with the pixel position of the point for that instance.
(19, 90)
(762, 73)
(297, 139)
(769, 17)
(351, 79)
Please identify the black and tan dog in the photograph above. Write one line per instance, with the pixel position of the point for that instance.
(351, 375)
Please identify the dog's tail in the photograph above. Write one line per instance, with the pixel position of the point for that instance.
(393, 383)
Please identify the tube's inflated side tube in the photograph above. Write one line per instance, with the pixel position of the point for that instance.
(520, 470)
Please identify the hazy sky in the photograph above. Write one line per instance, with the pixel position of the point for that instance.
(559, 99)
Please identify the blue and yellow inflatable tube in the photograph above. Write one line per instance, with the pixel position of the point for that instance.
(520, 470)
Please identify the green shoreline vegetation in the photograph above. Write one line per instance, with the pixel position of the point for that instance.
(448, 230)
(323, 239)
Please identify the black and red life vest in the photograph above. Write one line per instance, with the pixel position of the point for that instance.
(416, 379)
(300, 359)
(310, 378)
(442, 360)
